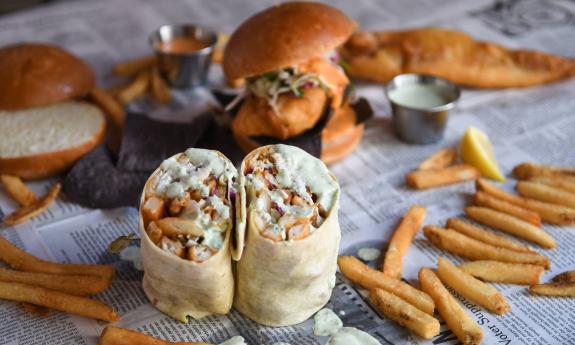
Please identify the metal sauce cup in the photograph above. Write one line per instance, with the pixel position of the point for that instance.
(184, 69)
(420, 106)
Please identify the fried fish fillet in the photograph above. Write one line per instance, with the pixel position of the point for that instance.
(453, 55)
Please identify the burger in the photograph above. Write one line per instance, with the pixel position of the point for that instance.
(294, 82)
(44, 126)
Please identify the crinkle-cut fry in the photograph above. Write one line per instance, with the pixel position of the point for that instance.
(511, 225)
(135, 89)
(110, 105)
(80, 285)
(408, 316)
(555, 181)
(539, 191)
(525, 171)
(158, 87)
(368, 278)
(481, 234)
(120, 336)
(548, 212)
(423, 179)
(483, 199)
(565, 277)
(439, 160)
(503, 272)
(20, 260)
(28, 212)
(471, 288)
(401, 240)
(18, 191)
(459, 244)
(134, 66)
(57, 300)
(554, 289)
(460, 323)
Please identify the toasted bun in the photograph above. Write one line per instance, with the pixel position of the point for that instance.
(46, 141)
(338, 139)
(34, 74)
(284, 35)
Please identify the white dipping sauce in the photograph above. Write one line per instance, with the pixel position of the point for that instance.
(328, 323)
(368, 254)
(419, 96)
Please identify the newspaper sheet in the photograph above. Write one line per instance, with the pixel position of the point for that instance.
(534, 124)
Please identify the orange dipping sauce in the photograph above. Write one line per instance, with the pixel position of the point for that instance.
(182, 45)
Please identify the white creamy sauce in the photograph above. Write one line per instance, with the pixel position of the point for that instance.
(326, 323)
(237, 340)
(419, 96)
(132, 254)
(368, 254)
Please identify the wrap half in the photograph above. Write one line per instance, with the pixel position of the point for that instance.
(186, 219)
(287, 269)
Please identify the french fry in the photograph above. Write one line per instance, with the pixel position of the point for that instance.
(135, 89)
(565, 277)
(57, 300)
(550, 213)
(459, 244)
(158, 87)
(120, 336)
(219, 49)
(439, 160)
(553, 181)
(510, 224)
(484, 235)
(110, 106)
(20, 260)
(408, 316)
(464, 328)
(486, 200)
(525, 171)
(539, 191)
(554, 289)
(132, 67)
(401, 240)
(28, 212)
(368, 278)
(423, 179)
(79, 285)
(504, 272)
(18, 190)
(35, 310)
(471, 288)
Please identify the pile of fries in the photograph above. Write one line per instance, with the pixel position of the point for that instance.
(439, 170)
(30, 205)
(42, 285)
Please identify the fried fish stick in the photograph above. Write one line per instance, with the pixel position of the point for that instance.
(18, 190)
(553, 181)
(439, 160)
(401, 240)
(80, 285)
(550, 213)
(525, 171)
(483, 199)
(134, 66)
(554, 289)
(546, 193)
(408, 316)
(461, 324)
(471, 288)
(20, 260)
(503, 272)
(120, 336)
(565, 277)
(484, 235)
(368, 278)
(423, 179)
(57, 300)
(510, 224)
(459, 244)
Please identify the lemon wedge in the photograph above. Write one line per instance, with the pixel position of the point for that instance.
(476, 150)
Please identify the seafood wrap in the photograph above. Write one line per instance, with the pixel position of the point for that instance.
(186, 222)
(287, 269)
